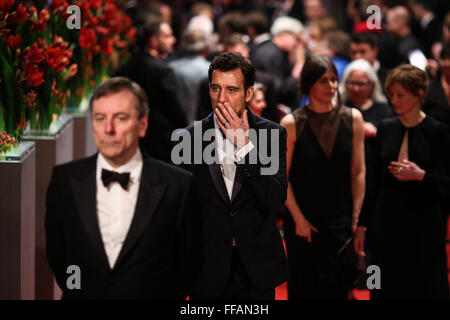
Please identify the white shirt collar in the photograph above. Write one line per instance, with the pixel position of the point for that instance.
(376, 65)
(261, 38)
(426, 20)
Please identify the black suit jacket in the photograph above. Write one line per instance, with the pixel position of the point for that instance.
(248, 217)
(267, 57)
(156, 260)
(166, 113)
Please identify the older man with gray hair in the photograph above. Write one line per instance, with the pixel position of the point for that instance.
(191, 70)
(272, 57)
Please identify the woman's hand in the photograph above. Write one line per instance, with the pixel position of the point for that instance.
(303, 228)
(406, 171)
(358, 241)
(370, 131)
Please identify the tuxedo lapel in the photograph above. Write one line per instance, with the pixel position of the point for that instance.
(84, 190)
(219, 183)
(151, 191)
(214, 169)
(238, 183)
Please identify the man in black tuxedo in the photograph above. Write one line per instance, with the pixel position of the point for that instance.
(124, 219)
(237, 186)
(154, 41)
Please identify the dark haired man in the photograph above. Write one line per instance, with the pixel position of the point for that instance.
(365, 46)
(155, 40)
(113, 216)
(243, 255)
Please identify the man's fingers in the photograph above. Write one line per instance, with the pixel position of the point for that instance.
(222, 127)
(220, 115)
(314, 229)
(230, 111)
(245, 119)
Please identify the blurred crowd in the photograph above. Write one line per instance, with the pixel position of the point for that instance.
(277, 36)
(177, 40)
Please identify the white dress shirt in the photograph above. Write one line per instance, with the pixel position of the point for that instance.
(116, 206)
(228, 155)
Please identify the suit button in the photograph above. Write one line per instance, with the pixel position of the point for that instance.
(233, 213)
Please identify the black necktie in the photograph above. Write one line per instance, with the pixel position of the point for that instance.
(110, 176)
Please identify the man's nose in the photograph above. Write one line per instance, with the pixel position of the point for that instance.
(109, 126)
(222, 96)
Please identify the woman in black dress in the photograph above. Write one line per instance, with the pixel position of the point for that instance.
(325, 161)
(406, 226)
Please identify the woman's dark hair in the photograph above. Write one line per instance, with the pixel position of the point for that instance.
(230, 61)
(313, 69)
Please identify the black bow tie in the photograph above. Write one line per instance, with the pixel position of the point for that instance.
(110, 176)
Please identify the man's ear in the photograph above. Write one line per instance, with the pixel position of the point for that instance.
(153, 41)
(377, 50)
(143, 124)
(249, 94)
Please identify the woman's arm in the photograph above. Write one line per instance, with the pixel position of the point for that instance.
(302, 226)
(358, 167)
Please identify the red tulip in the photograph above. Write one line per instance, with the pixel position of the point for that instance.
(33, 77)
(58, 6)
(34, 54)
(95, 3)
(13, 42)
(107, 46)
(18, 16)
(87, 38)
(6, 5)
